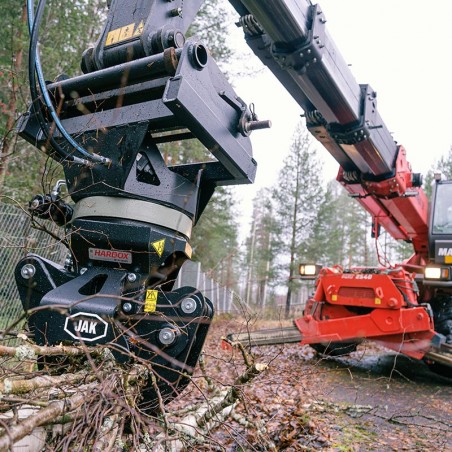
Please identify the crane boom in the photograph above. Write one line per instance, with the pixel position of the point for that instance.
(291, 39)
(405, 308)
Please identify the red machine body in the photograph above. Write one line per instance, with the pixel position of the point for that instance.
(377, 304)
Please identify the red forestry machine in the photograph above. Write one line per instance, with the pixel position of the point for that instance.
(407, 308)
(129, 223)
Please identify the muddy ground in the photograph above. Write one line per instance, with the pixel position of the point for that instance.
(373, 400)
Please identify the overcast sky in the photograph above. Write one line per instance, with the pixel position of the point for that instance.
(402, 49)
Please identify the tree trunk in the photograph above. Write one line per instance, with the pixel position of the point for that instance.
(12, 102)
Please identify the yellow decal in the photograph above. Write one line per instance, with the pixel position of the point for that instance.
(377, 301)
(121, 34)
(139, 29)
(150, 304)
(448, 259)
(334, 297)
(112, 37)
(159, 246)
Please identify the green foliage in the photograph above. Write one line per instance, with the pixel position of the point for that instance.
(297, 199)
(326, 244)
(443, 166)
(214, 238)
(210, 26)
(259, 258)
(67, 30)
(13, 35)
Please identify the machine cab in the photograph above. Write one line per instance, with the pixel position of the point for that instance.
(440, 231)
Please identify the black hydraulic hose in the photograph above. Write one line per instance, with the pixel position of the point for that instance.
(64, 155)
(35, 69)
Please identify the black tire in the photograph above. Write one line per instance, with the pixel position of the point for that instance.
(335, 348)
(440, 369)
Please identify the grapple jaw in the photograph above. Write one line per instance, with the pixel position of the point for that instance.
(101, 307)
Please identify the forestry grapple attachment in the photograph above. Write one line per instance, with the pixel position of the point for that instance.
(128, 233)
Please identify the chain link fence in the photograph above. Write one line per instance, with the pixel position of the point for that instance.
(17, 238)
(224, 299)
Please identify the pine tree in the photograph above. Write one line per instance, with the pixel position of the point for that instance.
(259, 257)
(296, 201)
(443, 166)
(67, 30)
(326, 242)
(214, 240)
(341, 233)
(211, 26)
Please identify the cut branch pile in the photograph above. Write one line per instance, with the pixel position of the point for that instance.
(93, 403)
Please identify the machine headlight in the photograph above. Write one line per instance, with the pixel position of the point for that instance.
(309, 271)
(436, 273)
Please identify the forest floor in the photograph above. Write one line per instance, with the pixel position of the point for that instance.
(373, 400)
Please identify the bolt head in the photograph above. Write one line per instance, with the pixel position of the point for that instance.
(27, 271)
(34, 204)
(167, 336)
(127, 307)
(176, 12)
(131, 277)
(188, 305)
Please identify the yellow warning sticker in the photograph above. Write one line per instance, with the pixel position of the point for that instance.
(113, 37)
(126, 32)
(123, 33)
(334, 297)
(377, 300)
(159, 246)
(139, 29)
(150, 304)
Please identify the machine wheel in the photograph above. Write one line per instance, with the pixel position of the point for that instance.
(335, 348)
(440, 369)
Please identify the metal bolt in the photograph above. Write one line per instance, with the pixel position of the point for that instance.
(35, 204)
(176, 12)
(28, 271)
(188, 306)
(167, 336)
(131, 277)
(83, 270)
(127, 307)
(68, 261)
(257, 125)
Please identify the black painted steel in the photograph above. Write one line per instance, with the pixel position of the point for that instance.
(142, 89)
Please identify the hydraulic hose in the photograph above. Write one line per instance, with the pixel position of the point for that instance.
(35, 70)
